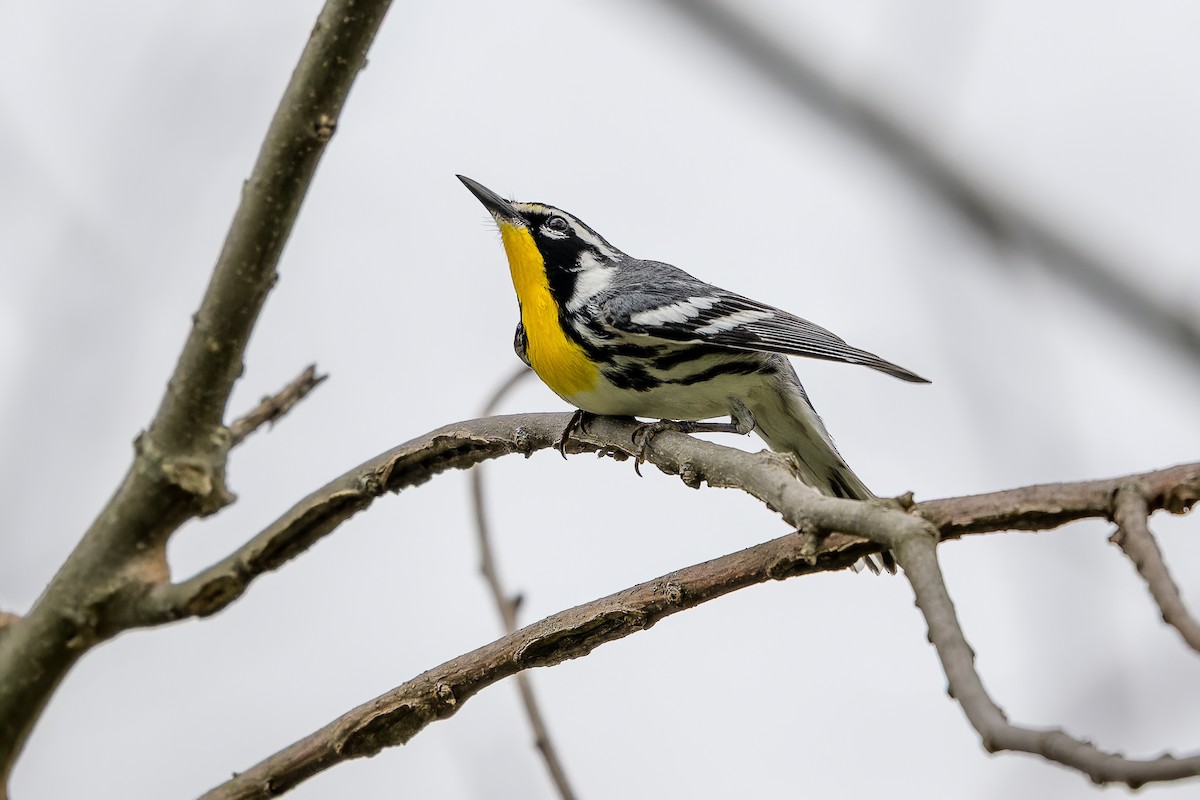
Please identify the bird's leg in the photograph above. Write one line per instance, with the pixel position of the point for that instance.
(740, 421)
(578, 423)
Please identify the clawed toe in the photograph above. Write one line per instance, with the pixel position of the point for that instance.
(578, 422)
(641, 437)
(643, 433)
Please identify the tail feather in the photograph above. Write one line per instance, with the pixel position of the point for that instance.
(787, 421)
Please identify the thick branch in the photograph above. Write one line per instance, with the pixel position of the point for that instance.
(764, 475)
(829, 536)
(462, 445)
(457, 446)
(307, 116)
(918, 557)
(272, 407)
(1038, 508)
(395, 717)
(399, 715)
(179, 468)
(1133, 536)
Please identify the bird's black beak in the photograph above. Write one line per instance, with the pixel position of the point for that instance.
(494, 203)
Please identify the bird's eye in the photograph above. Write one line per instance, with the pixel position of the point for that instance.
(558, 224)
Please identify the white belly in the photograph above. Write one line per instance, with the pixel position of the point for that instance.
(681, 401)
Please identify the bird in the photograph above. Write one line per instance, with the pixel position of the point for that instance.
(616, 335)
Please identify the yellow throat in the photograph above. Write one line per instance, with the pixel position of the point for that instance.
(559, 362)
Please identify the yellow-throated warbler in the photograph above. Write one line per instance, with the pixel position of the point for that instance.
(612, 334)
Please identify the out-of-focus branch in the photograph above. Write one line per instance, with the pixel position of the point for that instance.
(507, 604)
(272, 407)
(179, 467)
(917, 556)
(1135, 539)
(1001, 218)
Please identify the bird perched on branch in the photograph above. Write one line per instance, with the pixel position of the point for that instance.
(613, 334)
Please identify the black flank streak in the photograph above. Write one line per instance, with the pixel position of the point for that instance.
(632, 376)
(728, 368)
(685, 354)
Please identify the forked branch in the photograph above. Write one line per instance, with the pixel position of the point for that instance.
(1135, 539)
(918, 557)
(831, 534)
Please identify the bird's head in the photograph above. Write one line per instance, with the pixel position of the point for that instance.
(547, 243)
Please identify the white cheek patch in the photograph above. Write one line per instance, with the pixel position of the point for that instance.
(731, 321)
(591, 279)
(674, 313)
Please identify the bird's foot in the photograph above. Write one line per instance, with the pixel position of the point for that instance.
(643, 433)
(578, 423)
(741, 421)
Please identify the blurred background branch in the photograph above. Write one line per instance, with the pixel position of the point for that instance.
(999, 217)
(508, 604)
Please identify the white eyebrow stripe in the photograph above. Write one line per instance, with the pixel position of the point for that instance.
(577, 225)
(677, 312)
(731, 321)
(591, 238)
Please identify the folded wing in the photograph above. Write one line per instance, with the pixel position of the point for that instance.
(707, 315)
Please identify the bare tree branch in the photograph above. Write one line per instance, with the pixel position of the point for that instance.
(1135, 539)
(918, 557)
(179, 466)
(271, 408)
(999, 217)
(831, 534)
(395, 717)
(456, 446)
(464, 444)
(1036, 508)
(507, 604)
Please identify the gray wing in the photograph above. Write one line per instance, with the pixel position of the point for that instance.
(658, 300)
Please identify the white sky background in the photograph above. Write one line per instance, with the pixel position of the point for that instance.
(126, 130)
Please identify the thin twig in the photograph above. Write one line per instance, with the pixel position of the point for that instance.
(272, 407)
(1135, 539)
(507, 604)
(1000, 218)
(918, 557)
